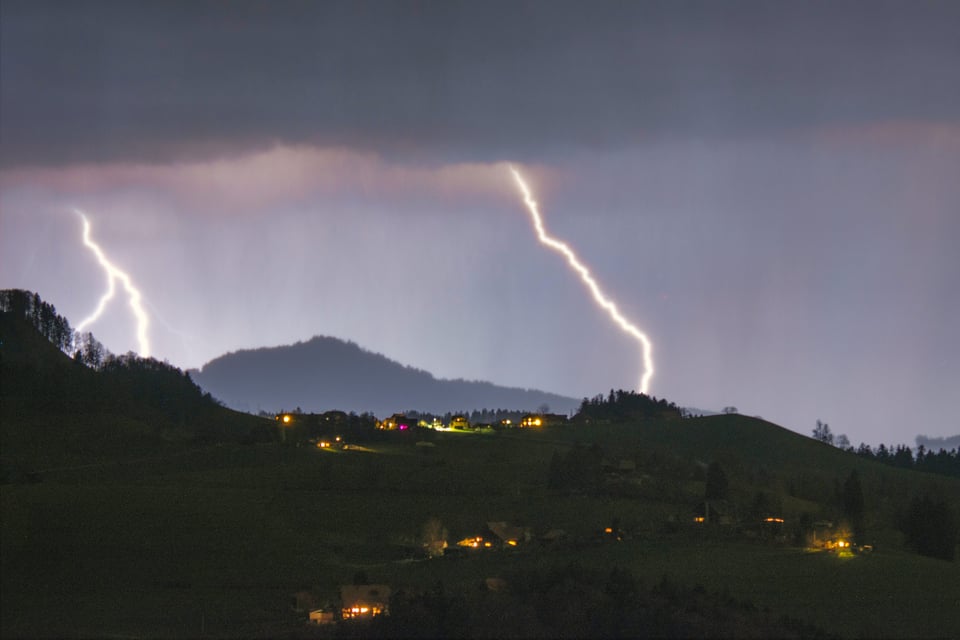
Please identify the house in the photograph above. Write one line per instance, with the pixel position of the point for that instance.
(715, 512)
(475, 542)
(534, 420)
(397, 422)
(459, 422)
(307, 602)
(822, 534)
(825, 535)
(771, 528)
(435, 423)
(334, 418)
(364, 600)
(509, 535)
(321, 616)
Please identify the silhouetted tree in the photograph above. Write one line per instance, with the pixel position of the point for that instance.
(42, 315)
(882, 454)
(822, 433)
(622, 405)
(89, 350)
(903, 457)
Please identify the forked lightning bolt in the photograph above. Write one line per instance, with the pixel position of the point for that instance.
(598, 296)
(114, 274)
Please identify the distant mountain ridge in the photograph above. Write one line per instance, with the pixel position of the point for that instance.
(326, 373)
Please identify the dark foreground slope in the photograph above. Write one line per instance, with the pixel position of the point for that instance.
(216, 541)
(57, 412)
(195, 538)
(326, 373)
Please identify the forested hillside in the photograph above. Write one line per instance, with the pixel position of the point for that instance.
(60, 409)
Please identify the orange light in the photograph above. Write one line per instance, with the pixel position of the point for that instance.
(608, 530)
(699, 519)
(286, 418)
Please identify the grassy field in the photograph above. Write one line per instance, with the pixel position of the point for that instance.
(215, 540)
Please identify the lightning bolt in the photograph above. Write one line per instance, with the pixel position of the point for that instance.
(599, 297)
(113, 274)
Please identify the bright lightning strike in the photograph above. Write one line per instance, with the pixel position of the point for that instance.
(598, 296)
(114, 274)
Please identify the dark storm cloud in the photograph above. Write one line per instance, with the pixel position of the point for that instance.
(86, 81)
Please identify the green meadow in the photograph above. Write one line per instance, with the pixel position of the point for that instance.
(214, 540)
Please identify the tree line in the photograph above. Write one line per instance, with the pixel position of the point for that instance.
(623, 405)
(128, 385)
(41, 315)
(943, 462)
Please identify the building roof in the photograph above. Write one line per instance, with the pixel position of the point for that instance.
(364, 594)
(505, 531)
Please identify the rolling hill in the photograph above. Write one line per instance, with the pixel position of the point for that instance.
(326, 373)
(57, 412)
(146, 513)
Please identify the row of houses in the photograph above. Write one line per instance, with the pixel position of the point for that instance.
(401, 422)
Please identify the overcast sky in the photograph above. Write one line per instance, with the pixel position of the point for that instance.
(770, 190)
